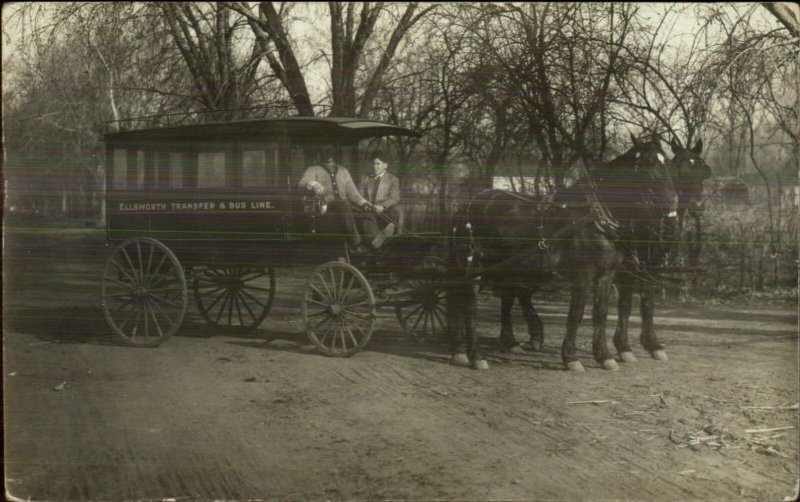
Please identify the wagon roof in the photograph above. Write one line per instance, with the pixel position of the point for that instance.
(306, 127)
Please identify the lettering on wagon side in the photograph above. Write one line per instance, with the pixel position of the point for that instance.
(196, 206)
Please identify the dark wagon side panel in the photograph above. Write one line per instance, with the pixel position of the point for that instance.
(223, 191)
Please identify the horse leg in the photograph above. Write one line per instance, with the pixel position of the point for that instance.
(648, 338)
(624, 306)
(454, 309)
(695, 246)
(461, 309)
(535, 326)
(507, 339)
(602, 289)
(577, 306)
(470, 332)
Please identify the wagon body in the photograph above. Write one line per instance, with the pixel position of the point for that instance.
(219, 192)
(216, 207)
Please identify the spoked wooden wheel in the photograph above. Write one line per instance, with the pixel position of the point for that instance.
(422, 313)
(143, 292)
(338, 309)
(234, 297)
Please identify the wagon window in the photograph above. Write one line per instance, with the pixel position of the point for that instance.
(135, 163)
(118, 168)
(170, 169)
(254, 168)
(211, 170)
(303, 155)
(175, 178)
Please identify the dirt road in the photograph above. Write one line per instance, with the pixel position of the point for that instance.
(265, 417)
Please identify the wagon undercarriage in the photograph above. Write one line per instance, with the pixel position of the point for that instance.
(145, 291)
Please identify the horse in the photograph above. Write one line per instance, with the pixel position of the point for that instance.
(520, 246)
(688, 170)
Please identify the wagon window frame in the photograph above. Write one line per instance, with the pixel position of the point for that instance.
(270, 165)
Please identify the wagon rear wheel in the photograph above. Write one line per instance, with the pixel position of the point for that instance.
(422, 314)
(338, 309)
(143, 292)
(239, 298)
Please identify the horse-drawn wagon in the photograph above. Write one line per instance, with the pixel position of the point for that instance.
(211, 210)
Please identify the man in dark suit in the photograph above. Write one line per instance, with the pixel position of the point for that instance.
(382, 191)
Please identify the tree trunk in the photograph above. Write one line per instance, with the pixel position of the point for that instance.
(787, 13)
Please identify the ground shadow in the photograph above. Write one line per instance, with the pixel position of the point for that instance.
(435, 350)
(61, 325)
(86, 325)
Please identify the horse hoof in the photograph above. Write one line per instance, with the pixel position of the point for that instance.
(610, 364)
(627, 357)
(516, 349)
(460, 360)
(480, 364)
(575, 367)
(659, 355)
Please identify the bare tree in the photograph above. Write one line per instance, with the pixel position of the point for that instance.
(205, 36)
(558, 62)
(787, 13)
(77, 66)
(756, 64)
(352, 27)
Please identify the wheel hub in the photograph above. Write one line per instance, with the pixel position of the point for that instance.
(336, 309)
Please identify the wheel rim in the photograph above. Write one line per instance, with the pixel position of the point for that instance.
(238, 298)
(143, 292)
(423, 314)
(338, 309)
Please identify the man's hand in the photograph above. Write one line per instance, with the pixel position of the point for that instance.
(378, 208)
(318, 188)
(367, 206)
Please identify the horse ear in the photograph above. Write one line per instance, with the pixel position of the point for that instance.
(633, 139)
(698, 148)
(676, 147)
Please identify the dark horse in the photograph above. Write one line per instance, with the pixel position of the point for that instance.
(588, 232)
(688, 171)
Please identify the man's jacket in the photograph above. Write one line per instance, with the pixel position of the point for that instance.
(384, 191)
(340, 184)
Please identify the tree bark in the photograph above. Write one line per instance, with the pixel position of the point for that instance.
(269, 31)
(787, 13)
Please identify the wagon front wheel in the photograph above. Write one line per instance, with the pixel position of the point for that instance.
(338, 309)
(422, 314)
(238, 298)
(143, 292)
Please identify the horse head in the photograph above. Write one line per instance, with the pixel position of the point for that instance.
(639, 179)
(690, 171)
(638, 189)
